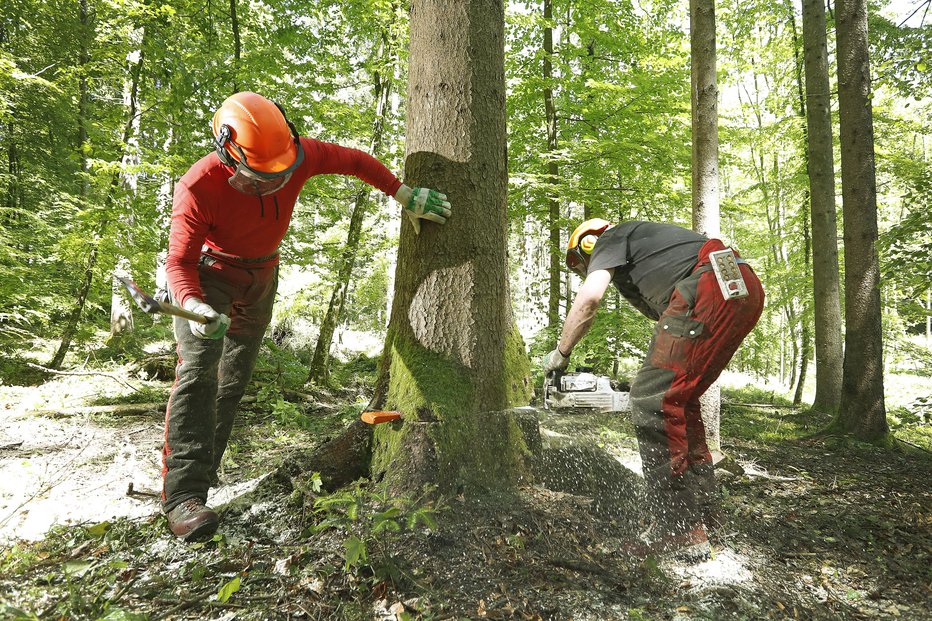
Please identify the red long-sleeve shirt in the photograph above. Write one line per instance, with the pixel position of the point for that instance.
(206, 210)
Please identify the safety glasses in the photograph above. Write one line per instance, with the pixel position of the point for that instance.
(246, 181)
(577, 261)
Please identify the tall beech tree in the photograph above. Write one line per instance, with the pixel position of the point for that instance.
(821, 168)
(453, 357)
(862, 410)
(553, 171)
(706, 215)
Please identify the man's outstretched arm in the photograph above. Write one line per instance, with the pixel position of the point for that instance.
(579, 319)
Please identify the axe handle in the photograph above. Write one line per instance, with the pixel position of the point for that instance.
(177, 311)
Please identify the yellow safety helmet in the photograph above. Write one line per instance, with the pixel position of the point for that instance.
(581, 243)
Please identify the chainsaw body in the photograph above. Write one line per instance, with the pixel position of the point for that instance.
(582, 391)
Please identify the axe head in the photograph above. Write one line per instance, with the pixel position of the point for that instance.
(145, 301)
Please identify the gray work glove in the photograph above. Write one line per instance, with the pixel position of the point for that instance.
(555, 361)
(213, 329)
(423, 204)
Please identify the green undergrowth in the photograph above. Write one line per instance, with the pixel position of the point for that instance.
(751, 394)
(760, 415)
(15, 371)
(348, 548)
(145, 393)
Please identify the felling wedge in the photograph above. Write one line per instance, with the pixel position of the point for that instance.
(375, 418)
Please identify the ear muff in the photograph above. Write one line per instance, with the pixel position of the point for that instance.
(220, 143)
(587, 243)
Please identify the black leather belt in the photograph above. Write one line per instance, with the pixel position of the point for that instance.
(231, 257)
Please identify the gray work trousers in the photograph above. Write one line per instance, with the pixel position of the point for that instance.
(211, 377)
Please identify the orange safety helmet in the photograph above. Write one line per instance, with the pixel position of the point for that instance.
(253, 132)
(581, 243)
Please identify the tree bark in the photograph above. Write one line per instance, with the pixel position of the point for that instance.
(454, 359)
(706, 217)
(825, 283)
(862, 411)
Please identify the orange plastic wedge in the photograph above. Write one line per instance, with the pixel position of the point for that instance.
(374, 418)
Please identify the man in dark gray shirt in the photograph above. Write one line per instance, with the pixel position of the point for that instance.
(703, 314)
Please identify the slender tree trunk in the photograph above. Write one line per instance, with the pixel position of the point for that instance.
(805, 335)
(553, 204)
(805, 341)
(13, 187)
(862, 411)
(928, 317)
(121, 314)
(74, 317)
(237, 45)
(825, 282)
(320, 365)
(706, 217)
(454, 358)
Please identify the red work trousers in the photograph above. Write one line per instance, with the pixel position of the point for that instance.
(693, 341)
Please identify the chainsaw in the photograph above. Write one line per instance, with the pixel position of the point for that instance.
(583, 391)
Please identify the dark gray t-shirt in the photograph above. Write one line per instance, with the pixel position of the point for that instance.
(649, 258)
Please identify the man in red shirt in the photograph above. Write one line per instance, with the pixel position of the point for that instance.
(229, 214)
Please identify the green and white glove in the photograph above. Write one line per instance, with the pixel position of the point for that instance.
(213, 329)
(423, 204)
(555, 361)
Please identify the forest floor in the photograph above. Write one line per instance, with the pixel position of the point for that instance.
(817, 528)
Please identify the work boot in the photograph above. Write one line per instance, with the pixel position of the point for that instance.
(192, 521)
(690, 546)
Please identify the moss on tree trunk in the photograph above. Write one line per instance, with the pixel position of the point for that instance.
(443, 439)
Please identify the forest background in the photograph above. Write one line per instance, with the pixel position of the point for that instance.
(105, 104)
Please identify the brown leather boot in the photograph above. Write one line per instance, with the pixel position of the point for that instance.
(192, 521)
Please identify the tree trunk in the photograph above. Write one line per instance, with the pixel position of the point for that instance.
(320, 365)
(74, 317)
(237, 45)
(454, 358)
(862, 409)
(805, 336)
(553, 205)
(14, 193)
(706, 218)
(71, 323)
(825, 283)
(121, 314)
